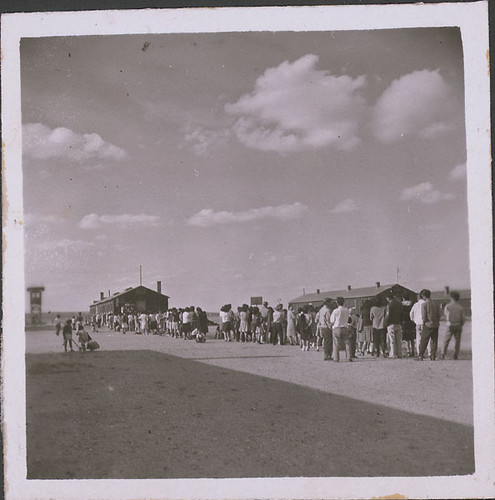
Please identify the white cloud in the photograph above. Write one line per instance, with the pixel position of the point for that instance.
(208, 217)
(415, 104)
(459, 172)
(344, 207)
(295, 107)
(425, 193)
(94, 221)
(203, 140)
(42, 143)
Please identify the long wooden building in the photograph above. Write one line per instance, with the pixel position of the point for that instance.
(354, 297)
(137, 299)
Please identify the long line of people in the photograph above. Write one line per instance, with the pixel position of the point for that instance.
(186, 323)
(380, 327)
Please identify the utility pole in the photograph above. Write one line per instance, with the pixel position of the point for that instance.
(397, 275)
(140, 276)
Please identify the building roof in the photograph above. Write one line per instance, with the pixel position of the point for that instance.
(464, 293)
(353, 293)
(125, 292)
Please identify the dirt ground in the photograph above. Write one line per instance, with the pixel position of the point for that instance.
(156, 407)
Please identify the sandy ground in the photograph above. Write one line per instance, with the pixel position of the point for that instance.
(151, 406)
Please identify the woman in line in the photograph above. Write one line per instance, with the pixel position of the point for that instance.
(365, 328)
(255, 324)
(291, 326)
(143, 323)
(304, 325)
(243, 323)
(226, 318)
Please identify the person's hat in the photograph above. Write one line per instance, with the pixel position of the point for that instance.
(279, 307)
(328, 300)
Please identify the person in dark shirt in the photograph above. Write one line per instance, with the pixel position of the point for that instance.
(430, 312)
(67, 333)
(393, 320)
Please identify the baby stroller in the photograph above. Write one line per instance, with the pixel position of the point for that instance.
(87, 343)
(92, 345)
(200, 337)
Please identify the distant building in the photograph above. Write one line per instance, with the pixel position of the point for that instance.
(442, 297)
(354, 297)
(138, 299)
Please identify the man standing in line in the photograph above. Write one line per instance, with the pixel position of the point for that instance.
(277, 326)
(264, 321)
(338, 320)
(431, 321)
(393, 320)
(325, 326)
(454, 313)
(416, 316)
(377, 316)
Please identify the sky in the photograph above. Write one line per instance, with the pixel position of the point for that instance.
(232, 165)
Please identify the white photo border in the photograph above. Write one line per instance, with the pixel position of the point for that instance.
(472, 19)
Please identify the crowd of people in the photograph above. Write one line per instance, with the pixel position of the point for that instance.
(379, 328)
(187, 323)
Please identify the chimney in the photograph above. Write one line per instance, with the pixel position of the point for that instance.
(377, 284)
(318, 291)
(102, 295)
(159, 287)
(447, 290)
(348, 288)
(304, 291)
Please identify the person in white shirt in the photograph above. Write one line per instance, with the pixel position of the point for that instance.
(277, 325)
(338, 320)
(377, 316)
(325, 328)
(416, 315)
(227, 324)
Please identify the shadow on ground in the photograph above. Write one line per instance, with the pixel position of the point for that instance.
(143, 414)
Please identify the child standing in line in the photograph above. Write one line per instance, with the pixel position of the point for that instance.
(67, 334)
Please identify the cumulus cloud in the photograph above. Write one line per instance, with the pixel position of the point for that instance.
(42, 143)
(94, 221)
(459, 172)
(295, 107)
(209, 217)
(203, 140)
(344, 207)
(424, 193)
(415, 104)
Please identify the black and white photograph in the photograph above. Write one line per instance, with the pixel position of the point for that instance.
(248, 253)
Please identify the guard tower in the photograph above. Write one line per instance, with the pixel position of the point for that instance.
(35, 296)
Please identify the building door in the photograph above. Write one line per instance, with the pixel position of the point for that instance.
(141, 305)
